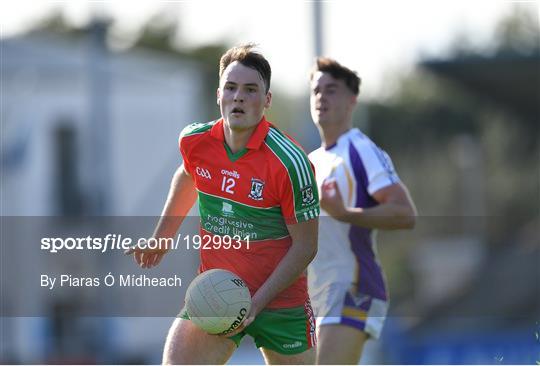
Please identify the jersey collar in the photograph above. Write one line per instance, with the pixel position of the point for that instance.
(256, 139)
(343, 137)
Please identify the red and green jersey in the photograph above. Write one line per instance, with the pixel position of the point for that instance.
(254, 193)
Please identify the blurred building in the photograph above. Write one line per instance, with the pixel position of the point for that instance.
(86, 132)
(80, 124)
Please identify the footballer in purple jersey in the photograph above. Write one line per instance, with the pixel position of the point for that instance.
(359, 192)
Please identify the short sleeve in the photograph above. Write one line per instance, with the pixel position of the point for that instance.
(187, 140)
(182, 144)
(299, 194)
(377, 165)
(384, 175)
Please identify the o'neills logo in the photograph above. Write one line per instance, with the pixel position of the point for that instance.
(233, 174)
(237, 321)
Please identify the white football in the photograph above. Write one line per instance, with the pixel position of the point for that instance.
(218, 301)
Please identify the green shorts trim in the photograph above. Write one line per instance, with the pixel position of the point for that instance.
(286, 331)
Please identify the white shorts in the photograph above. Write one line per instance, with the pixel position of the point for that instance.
(339, 303)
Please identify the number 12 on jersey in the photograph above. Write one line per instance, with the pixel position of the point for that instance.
(228, 184)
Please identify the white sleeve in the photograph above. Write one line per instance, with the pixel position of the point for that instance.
(378, 166)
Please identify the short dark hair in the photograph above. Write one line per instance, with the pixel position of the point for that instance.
(247, 57)
(338, 71)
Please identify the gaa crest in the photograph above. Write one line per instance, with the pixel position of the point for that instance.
(307, 195)
(256, 192)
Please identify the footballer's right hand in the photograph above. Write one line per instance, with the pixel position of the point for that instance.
(331, 200)
(148, 254)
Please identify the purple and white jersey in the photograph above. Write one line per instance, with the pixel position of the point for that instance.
(347, 253)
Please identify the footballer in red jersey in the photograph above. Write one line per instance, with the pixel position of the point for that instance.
(255, 184)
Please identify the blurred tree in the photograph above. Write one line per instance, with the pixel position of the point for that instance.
(518, 33)
(424, 118)
(208, 58)
(55, 22)
(158, 33)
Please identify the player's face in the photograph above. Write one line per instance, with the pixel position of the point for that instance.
(242, 97)
(331, 101)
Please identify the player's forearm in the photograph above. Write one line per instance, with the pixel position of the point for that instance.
(293, 264)
(181, 197)
(386, 216)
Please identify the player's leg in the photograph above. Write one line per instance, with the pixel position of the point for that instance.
(274, 358)
(339, 344)
(188, 344)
